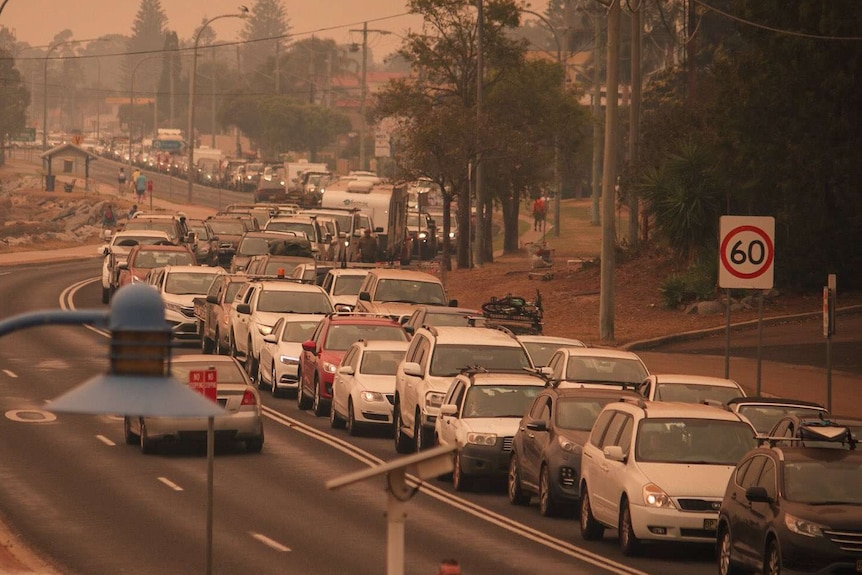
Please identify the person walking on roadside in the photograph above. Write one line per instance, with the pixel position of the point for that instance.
(540, 208)
(141, 186)
(109, 219)
(121, 178)
(367, 247)
(133, 182)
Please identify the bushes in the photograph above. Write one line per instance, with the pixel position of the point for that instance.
(695, 284)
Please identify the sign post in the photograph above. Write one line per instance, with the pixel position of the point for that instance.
(829, 330)
(746, 261)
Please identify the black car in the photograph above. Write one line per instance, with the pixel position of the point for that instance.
(546, 450)
(794, 505)
(764, 412)
(440, 315)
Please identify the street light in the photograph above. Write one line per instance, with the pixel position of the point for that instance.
(45, 92)
(132, 104)
(558, 176)
(243, 11)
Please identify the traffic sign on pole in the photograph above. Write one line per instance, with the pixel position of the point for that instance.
(747, 252)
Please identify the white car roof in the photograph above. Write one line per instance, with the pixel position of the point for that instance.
(600, 352)
(562, 341)
(680, 410)
(694, 380)
(385, 345)
(473, 335)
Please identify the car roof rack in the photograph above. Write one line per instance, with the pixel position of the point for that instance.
(818, 431)
(638, 401)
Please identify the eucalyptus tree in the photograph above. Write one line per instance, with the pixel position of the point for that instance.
(265, 36)
(14, 99)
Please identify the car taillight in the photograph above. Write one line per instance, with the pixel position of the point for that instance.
(248, 398)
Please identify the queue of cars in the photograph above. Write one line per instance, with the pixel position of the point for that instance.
(588, 432)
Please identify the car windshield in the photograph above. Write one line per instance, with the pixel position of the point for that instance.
(227, 372)
(227, 228)
(579, 414)
(409, 291)
(541, 351)
(448, 319)
(693, 393)
(305, 228)
(703, 441)
(129, 241)
(605, 370)
(232, 290)
(764, 417)
(155, 259)
(293, 302)
(823, 482)
(449, 360)
(347, 285)
(340, 337)
(160, 225)
(298, 331)
(499, 400)
(383, 362)
(202, 232)
(182, 283)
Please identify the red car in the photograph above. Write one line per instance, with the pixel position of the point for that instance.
(143, 258)
(322, 354)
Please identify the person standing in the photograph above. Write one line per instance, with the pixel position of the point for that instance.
(540, 208)
(367, 247)
(121, 179)
(449, 567)
(140, 186)
(109, 219)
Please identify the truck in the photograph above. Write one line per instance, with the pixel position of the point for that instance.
(213, 312)
(385, 204)
(295, 183)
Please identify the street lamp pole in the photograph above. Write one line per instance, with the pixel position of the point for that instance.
(45, 92)
(558, 169)
(190, 136)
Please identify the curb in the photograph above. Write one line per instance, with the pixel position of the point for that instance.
(647, 344)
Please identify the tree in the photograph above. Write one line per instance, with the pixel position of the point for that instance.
(264, 35)
(148, 35)
(14, 99)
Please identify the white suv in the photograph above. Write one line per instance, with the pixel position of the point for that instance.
(258, 306)
(179, 286)
(435, 356)
(658, 470)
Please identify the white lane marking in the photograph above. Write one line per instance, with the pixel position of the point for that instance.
(106, 441)
(269, 542)
(10, 373)
(170, 484)
(31, 415)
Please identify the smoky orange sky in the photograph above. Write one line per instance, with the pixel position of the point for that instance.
(38, 21)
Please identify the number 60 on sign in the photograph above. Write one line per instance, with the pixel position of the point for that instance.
(747, 252)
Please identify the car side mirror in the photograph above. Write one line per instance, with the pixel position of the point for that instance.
(243, 308)
(364, 296)
(615, 453)
(346, 370)
(270, 338)
(537, 425)
(212, 298)
(453, 303)
(448, 409)
(413, 368)
(757, 494)
(309, 346)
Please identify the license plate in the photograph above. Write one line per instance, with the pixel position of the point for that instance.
(711, 524)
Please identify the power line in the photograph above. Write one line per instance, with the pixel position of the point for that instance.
(778, 30)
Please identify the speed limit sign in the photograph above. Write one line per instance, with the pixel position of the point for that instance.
(747, 252)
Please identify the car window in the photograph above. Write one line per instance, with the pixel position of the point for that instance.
(625, 439)
(804, 481)
(456, 394)
(347, 285)
(294, 302)
(349, 356)
(579, 414)
(449, 359)
(601, 426)
(298, 331)
(612, 435)
(381, 362)
(605, 370)
(747, 476)
(692, 393)
(182, 283)
(767, 478)
(541, 409)
(418, 292)
(499, 400)
(696, 440)
(340, 337)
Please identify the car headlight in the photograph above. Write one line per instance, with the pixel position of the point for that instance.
(288, 360)
(481, 438)
(803, 526)
(451, 235)
(264, 329)
(566, 445)
(434, 399)
(423, 235)
(654, 496)
(371, 396)
(329, 367)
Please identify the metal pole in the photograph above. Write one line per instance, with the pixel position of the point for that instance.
(479, 234)
(364, 93)
(759, 337)
(210, 460)
(98, 99)
(727, 333)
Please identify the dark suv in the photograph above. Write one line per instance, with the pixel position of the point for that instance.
(546, 451)
(794, 505)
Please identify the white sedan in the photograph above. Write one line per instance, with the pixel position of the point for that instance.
(363, 390)
(279, 354)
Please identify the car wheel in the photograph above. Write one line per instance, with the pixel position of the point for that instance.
(273, 383)
(352, 425)
(319, 405)
(629, 543)
(591, 530)
(547, 506)
(772, 560)
(301, 401)
(420, 442)
(106, 295)
(402, 442)
(206, 344)
(725, 543)
(335, 421)
(255, 445)
(234, 352)
(219, 348)
(514, 489)
(148, 446)
(460, 481)
(130, 437)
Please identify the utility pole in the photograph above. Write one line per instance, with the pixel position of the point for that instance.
(363, 127)
(609, 177)
(635, 117)
(479, 241)
(596, 175)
